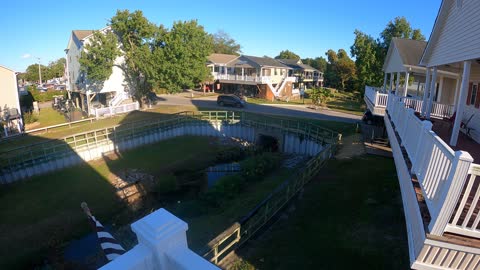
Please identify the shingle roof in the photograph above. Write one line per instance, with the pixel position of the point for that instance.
(296, 64)
(410, 50)
(220, 58)
(265, 62)
(81, 34)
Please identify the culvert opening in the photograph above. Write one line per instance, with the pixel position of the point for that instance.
(267, 143)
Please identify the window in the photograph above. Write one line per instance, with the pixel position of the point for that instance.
(473, 97)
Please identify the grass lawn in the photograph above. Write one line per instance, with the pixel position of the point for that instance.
(163, 111)
(41, 215)
(349, 217)
(49, 117)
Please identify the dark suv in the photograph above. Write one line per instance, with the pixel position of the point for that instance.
(230, 100)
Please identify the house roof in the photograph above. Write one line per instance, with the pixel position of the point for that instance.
(409, 50)
(265, 62)
(296, 64)
(82, 34)
(220, 58)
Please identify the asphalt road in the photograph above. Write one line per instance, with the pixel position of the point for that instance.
(276, 109)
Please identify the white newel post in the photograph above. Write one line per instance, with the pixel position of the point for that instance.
(433, 85)
(407, 76)
(450, 192)
(425, 92)
(162, 245)
(461, 102)
(397, 85)
(384, 81)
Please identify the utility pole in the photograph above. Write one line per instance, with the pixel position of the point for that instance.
(39, 71)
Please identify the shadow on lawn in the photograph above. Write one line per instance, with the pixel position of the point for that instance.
(42, 214)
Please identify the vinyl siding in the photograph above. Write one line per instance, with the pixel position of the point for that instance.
(458, 37)
(8, 90)
(394, 63)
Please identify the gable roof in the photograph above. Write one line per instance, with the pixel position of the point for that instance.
(296, 64)
(220, 58)
(265, 62)
(82, 34)
(410, 51)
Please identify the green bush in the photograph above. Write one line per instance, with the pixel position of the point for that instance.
(44, 96)
(29, 118)
(224, 189)
(255, 168)
(234, 153)
(166, 184)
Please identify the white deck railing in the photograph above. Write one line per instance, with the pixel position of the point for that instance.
(112, 110)
(440, 171)
(380, 100)
(467, 216)
(246, 78)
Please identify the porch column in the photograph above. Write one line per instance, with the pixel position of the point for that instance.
(425, 92)
(457, 90)
(407, 76)
(384, 81)
(391, 81)
(461, 102)
(440, 90)
(433, 85)
(397, 86)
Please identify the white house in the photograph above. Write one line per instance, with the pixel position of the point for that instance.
(10, 111)
(85, 96)
(434, 157)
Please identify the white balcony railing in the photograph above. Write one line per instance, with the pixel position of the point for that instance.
(379, 100)
(441, 172)
(247, 78)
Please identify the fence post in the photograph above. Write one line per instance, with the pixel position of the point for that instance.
(448, 196)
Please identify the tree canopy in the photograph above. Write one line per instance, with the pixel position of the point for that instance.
(55, 69)
(286, 54)
(340, 71)
(370, 53)
(319, 63)
(223, 43)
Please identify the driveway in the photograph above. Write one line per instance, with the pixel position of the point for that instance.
(276, 109)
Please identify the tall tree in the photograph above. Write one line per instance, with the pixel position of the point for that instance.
(368, 61)
(286, 54)
(31, 73)
(182, 58)
(340, 70)
(98, 58)
(223, 43)
(135, 34)
(399, 28)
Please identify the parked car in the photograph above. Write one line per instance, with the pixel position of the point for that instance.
(230, 100)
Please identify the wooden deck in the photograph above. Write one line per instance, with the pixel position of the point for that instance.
(444, 129)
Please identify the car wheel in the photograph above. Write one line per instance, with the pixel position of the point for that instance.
(221, 103)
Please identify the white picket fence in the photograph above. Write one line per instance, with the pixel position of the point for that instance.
(440, 171)
(113, 110)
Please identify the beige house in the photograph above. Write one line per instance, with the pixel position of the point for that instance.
(253, 76)
(10, 113)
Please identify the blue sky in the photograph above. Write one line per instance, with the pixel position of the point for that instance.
(34, 29)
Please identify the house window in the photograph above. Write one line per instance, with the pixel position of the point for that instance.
(473, 97)
(276, 72)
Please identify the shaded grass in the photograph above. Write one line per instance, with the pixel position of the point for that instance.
(49, 117)
(40, 215)
(349, 217)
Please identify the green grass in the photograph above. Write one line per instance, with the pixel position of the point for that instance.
(49, 117)
(41, 215)
(349, 217)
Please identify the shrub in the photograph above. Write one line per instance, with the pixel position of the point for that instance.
(254, 168)
(166, 184)
(224, 189)
(230, 154)
(29, 118)
(44, 96)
